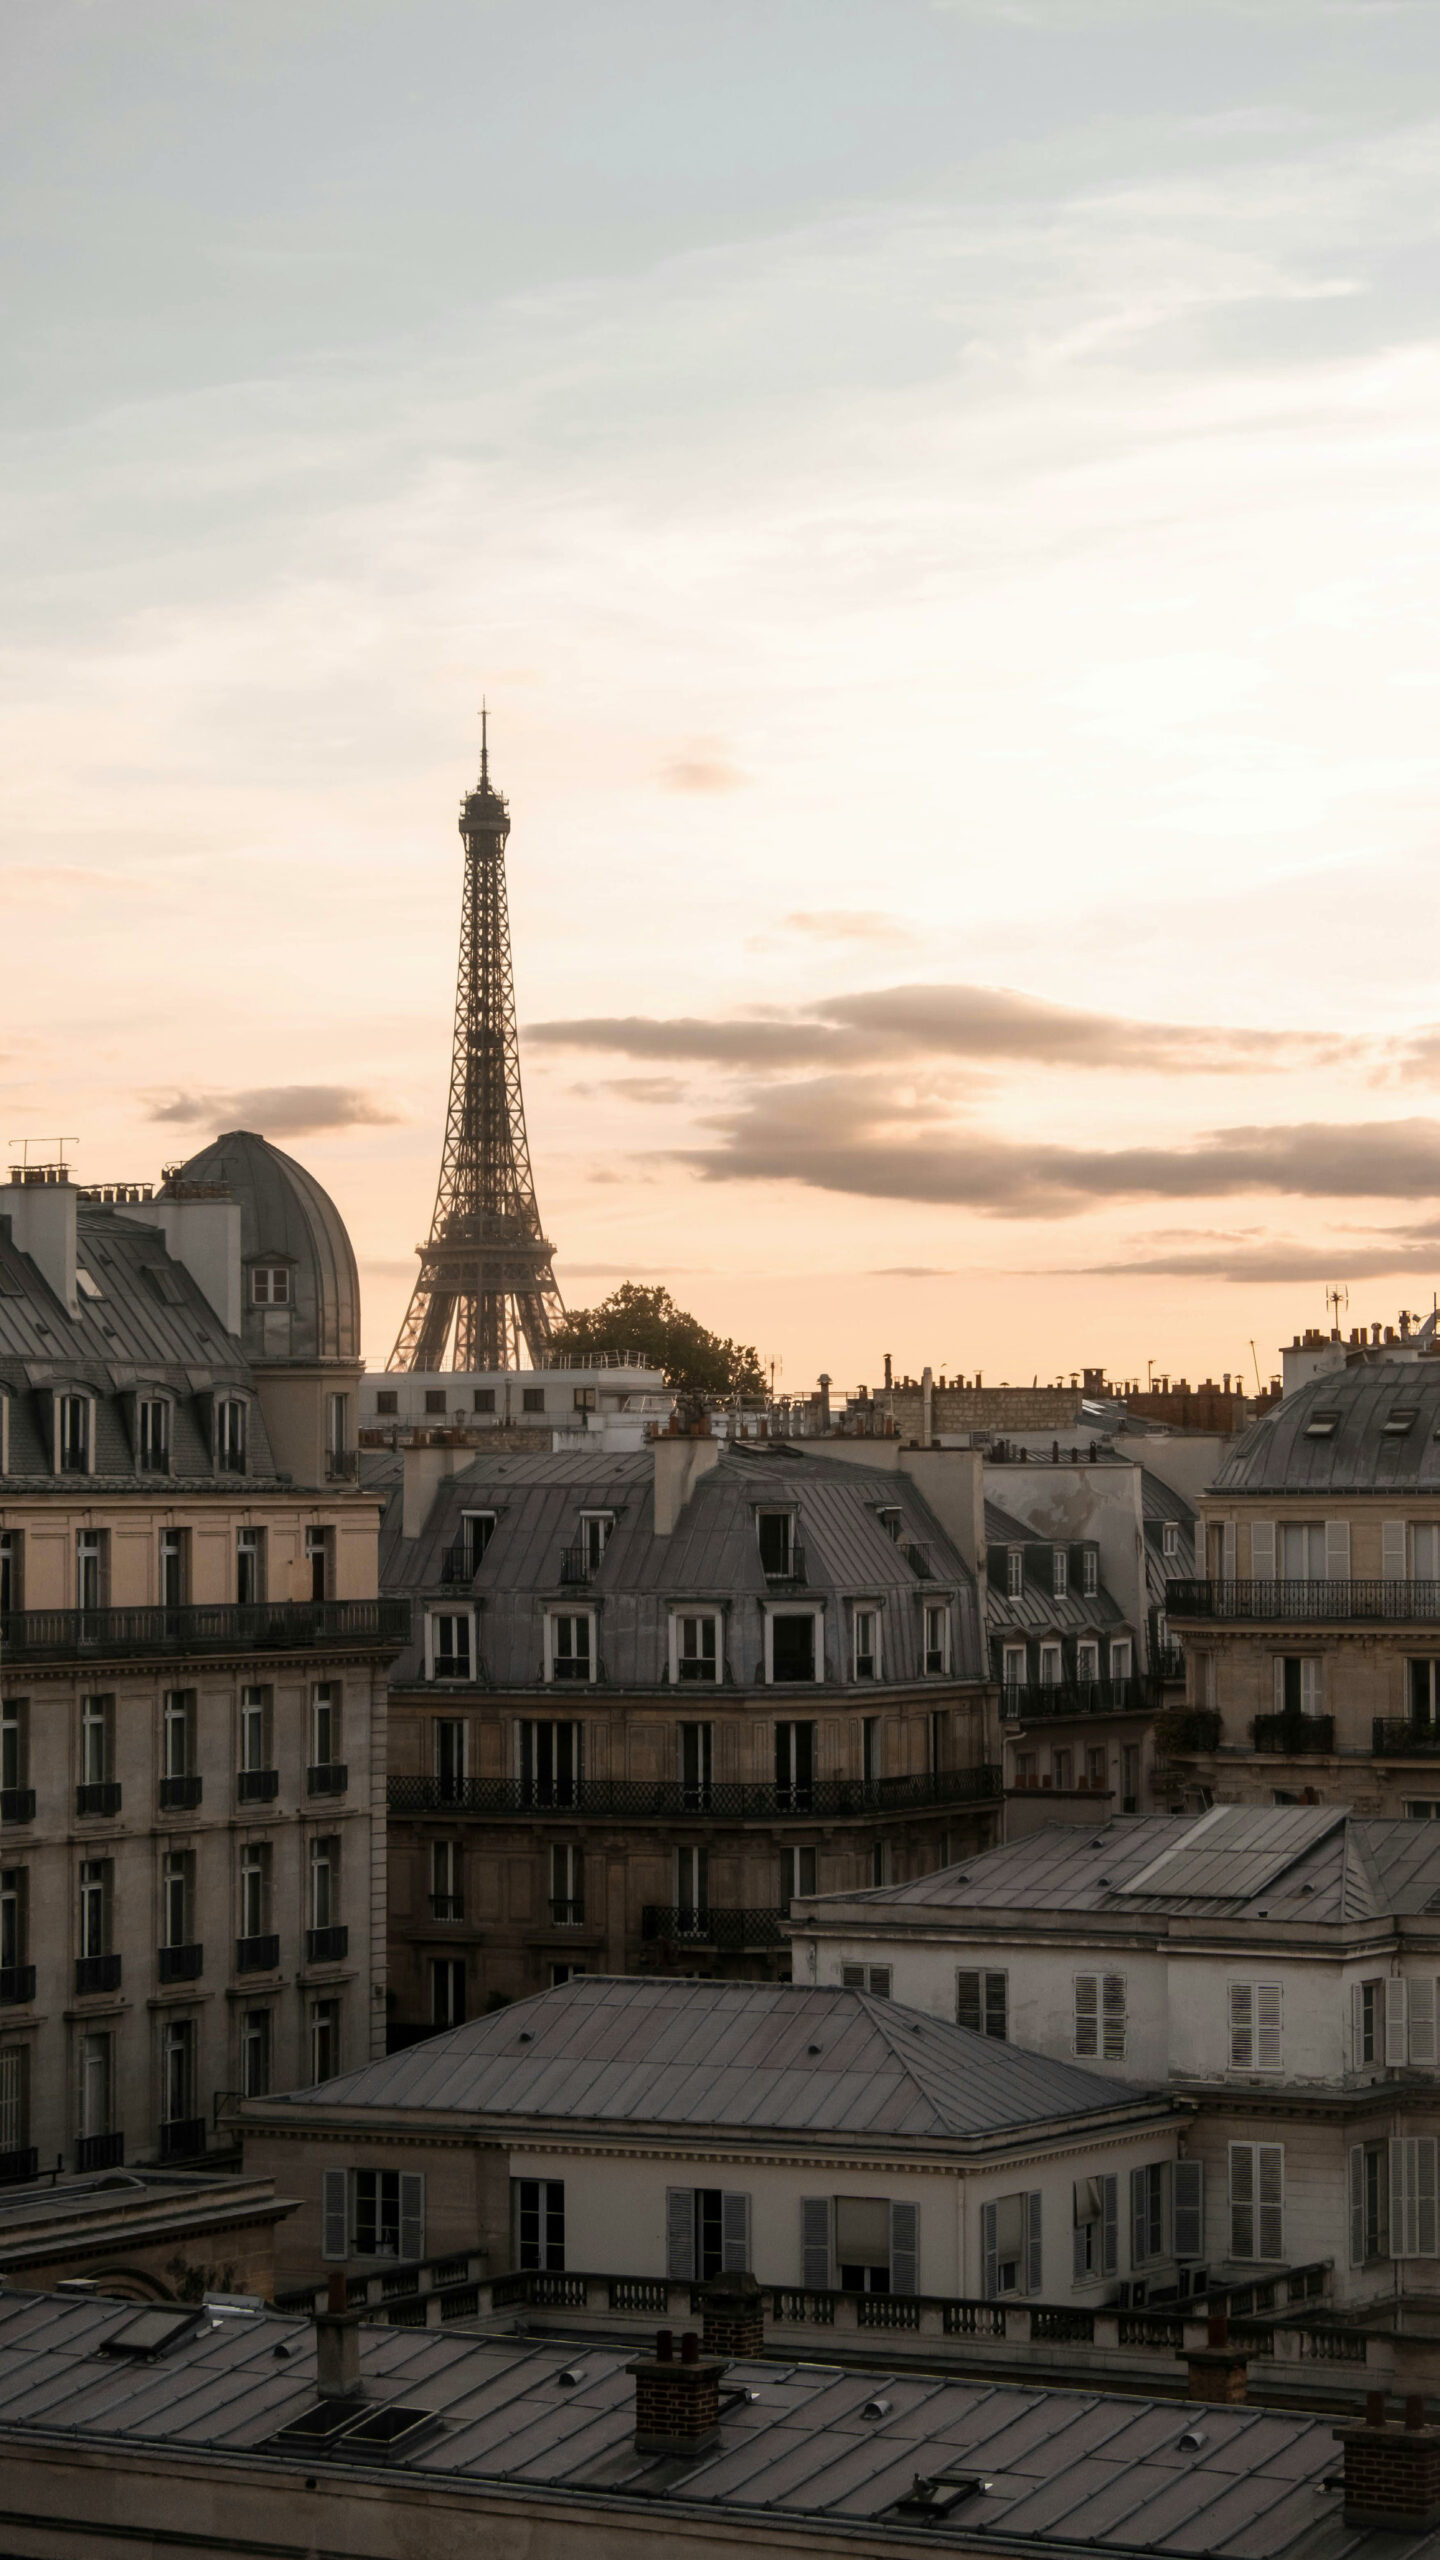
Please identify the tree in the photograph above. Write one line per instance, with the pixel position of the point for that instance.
(648, 1323)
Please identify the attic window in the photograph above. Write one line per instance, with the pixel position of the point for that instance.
(165, 1283)
(86, 1283)
(269, 1285)
(1400, 1420)
(150, 2334)
(889, 1517)
(1321, 1426)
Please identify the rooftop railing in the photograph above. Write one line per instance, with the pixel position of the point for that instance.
(1383, 1598)
(1030, 1702)
(255, 1626)
(730, 1931)
(1293, 1734)
(665, 1799)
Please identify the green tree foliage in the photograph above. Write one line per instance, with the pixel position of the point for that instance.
(648, 1323)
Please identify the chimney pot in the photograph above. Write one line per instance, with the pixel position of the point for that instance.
(1414, 2412)
(1392, 2474)
(690, 2349)
(665, 2346)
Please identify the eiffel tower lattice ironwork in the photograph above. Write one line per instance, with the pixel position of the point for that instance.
(486, 1292)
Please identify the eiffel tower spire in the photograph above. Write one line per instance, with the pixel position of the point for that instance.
(486, 1293)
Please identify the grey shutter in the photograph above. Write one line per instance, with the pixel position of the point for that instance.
(969, 2007)
(1401, 2235)
(1262, 1550)
(412, 2214)
(680, 2234)
(1420, 2020)
(815, 2243)
(735, 2234)
(1110, 2235)
(1242, 2200)
(1357, 2204)
(1078, 2269)
(1188, 2189)
(904, 2248)
(1337, 1550)
(1270, 2181)
(1392, 1550)
(1087, 2013)
(1139, 2219)
(1227, 1551)
(1357, 2027)
(989, 2257)
(1425, 2196)
(334, 2243)
(1032, 2253)
(1394, 2023)
(1112, 1994)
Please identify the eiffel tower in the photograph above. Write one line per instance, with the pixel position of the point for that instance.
(486, 1291)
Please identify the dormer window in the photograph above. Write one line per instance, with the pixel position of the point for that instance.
(1321, 1426)
(595, 1528)
(1059, 1572)
(1399, 1420)
(152, 1435)
(231, 1435)
(776, 1533)
(1089, 1572)
(269, 1284)
(889, 1517)
(73, 1433)
(1170, 1541)
(1014, 1572)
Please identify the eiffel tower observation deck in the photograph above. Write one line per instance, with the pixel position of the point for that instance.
(486, 1297)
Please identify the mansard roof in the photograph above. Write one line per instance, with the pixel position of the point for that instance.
(1346, 1433)
(287, 1218)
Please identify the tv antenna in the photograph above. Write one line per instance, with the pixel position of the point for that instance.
(1337, 1298)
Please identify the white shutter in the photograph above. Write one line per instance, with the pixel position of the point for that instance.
(1394, 2024)
(1242, 2027)
(735, 2234)
(333, 2215)
(1262, 1550)
(1110, 2230)
(989, 2260)
(1087, 2013)
(1401, 2235)
(1227, 1550)
(1270, 2182)
(1420, 2020)
(1188, 2192)
(1337, 1550)
(1242, 2200)
(1392, 1550)
(680, 2234)
(815, 2243)
(904, 2248)
(1139, 2220)
(1032, 2252)
(1267, 2026)
(412, 2214)
(1113, 2017)
(1357, 2204)
(1357, 2026)
(1425, 2196)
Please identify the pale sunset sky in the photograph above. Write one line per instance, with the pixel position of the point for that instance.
(941, 497)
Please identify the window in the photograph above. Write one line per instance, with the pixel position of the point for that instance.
(800, 1873)
(569, 1645)
(551, 1758)
(1170, 1541)
(269, 1284)
(707, 2233)
(97, 2085)
(152, 1435)
(447, 1991)
(595, 1528)
(867, 1644)
(15, 1746)
(324, 2040)
(1059, 1572)
(875, 2244)
(482, 1400)
(231, 1435)
(435, 1400)
(539, 2207)
(1010, 2244)
(1255, 2027)
(871, 1751)
(448, 1634)
(177, 1736)
(97, 1741)
(1097, 2228)
(177, 1898)
(174, 1561)
(1149, 2236)
(477, 1528)
(14, 1914)
(1087, 1662)
(249, 1566)
(1413, 2202)
(874, 1978)
(255, 2043)
(532, 1399)
(177, 2071)
(1014, 1572)
(891, 1519)
(1096, 1771)
(1424, 1549)
(450, 1751)
(387, 1400)
(1393, 2022)
(696, 1755)
(791, 1645)
(10, 1576)
(1062, 1771)
(794, 1767)
(1130, 1777)
(14, 2094)
(379, 2215)
(880, 1863)
(1089, 1572)
(1369, 2201)
(1051, 1666)
(1424, 1691)
(1013, 1666)
(255, 1889)
(1321, 1426)
(567, 1884)
(324, 1882)
(72, 1435)
(1099, 2025)
(317, 1557)
(1299, 1684)
(254, 1732)
(982, 2003)
(560, 1974)
(1027, 1769)
(1122, 1658)
(776, 1533)
(695, 1646)
(937, 1636)
(337, 1425)
(692, 1890)
(1257, 2201)
(90, 1560)
(447, 1900)
(1400, 1419)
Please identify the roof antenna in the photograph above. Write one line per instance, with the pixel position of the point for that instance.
(484, 744)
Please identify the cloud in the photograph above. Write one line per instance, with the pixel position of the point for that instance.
(702, 767)
(645, 1088)
(847, 924)
(1274, 1262)
(279, 1110)
(910, 1271)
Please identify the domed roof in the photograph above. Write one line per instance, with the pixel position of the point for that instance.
(286, 1220)
(1371, 1427)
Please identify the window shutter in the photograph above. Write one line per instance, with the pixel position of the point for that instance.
(815, 2242)
(1270, 2180)
(1357, 2204)
(1337, 1550)
(904, 2248)
(1425, 2196)
(1262, 1550)
(1242, 2200)
(1139, 2252)
(1401, 2243)
(968, 2009)
(1420, 2020)
(680, 2234)
(1032, 2253)
(1110, 2225)
(997, 2005)
(852, 1977)
(334, 2243)
(1113, 2020)
(1078, 2269)
(412, 2214)
(988, 2255)
(1394, 2024)
(1227, 1550)
(1242, 2026)
(1357, 2026)
(1392, 1550)
(735, 2234)
(1267, 2026)
(1087, 2013)
(1188, 2189)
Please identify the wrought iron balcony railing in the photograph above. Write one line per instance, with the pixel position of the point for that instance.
(342, 1466)
(459, 1563)
(183, 2138)
(181, 1795)
(98, 1796)
(17, 1804)
(669, 1799)
(566, 1914)
(1293, 1734)
(577, 1566)
(252, 1626)
(1399, 1738)
(1027, 1703)
(182, 1964)
(1336, 1602)
(447, 1906)
(729, 1932)
(1170, 1662)
(1187, 1729)
(97, 1973)
(100, 2151)
(326, 1946)
(17, 1985)
(17, 2166)
(327, 1778)
(257, 1955)
(788, 1569)
(256, 1786)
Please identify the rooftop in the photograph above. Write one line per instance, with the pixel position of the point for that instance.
(1371, 1427)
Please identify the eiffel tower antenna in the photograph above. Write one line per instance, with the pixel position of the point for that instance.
(486, 1294)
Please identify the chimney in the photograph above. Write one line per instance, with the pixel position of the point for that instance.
(677, 2399)
(42, 1223)
(205, 1236)
(337, 2346)
(734, 2315)
(1217, 2371)
(1392, 2473)
(679, 1463)
(423, 1473)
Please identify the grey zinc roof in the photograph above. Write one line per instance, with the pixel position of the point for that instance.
(1277, 1455)
(1034, 1609)
(773, 2057)
(1067, 2469)
(284, 1213)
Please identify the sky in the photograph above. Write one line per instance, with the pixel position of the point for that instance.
(941, 499)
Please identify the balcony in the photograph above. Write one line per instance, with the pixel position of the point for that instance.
(100, 2151)
(183, 2138)
(1188, 1729)
(17, 2166)
(327, 1778)
(257, 1955)
(662, 1800)
(1170, 1662)
(786, 1569)
(460, 1563)
(98, 1796)
(182, 1964)
(180, 1795)
(1292, 1734)
(17, 1804)
(1398, 1738)
(729, 1932)
(918, 1559)
(17, 1985)
(326, 1946)
(257, 1786)
(252, 1626)
(97, 1973)
(1306, 1603)
(1031, 1702)
(566, 1915)
(447, 1906)
(576, 1568)
(342, 1466)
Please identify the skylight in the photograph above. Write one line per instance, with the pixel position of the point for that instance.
(1399, 1420)
(1321, 1426)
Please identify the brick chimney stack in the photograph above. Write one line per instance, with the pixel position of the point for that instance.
(337, 2346)
(1392, 2472)
(734, 2316)
(1218, 2370)
(677, 2399)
